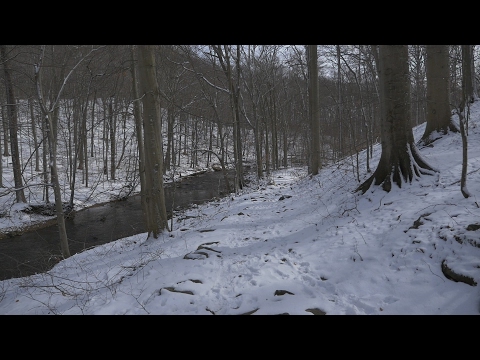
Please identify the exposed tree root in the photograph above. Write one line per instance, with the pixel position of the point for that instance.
(400, 169)
(428, 140)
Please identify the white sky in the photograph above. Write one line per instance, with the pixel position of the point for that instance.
(323, 248)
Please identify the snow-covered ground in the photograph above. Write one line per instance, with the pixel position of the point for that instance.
(297, 244)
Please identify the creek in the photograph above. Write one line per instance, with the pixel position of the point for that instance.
(37, 251)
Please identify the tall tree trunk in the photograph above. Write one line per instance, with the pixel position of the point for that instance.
(92, 133)
(76, 144)
(125, 141)
(224, 57)
(467, 74)
(223, 151)
(314, 109)
(12, 120)
(339, 104)
(45, 151)
(82, 135)
(112, 124)
(439, 117)
(5, 125)
(56, 189)
(239, 168)
(51, 136)
(474, 78)
(154, 192)
(467, 98)
(210, 142)
(267, 151)
(1, 166)
(137, 114)
(274, 129)
(463, 178)
(105, 137)
(400, 161)
(34, 134)
(169, 154)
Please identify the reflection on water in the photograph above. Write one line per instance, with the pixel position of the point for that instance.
(37, 251)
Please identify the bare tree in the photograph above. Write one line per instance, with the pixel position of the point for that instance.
(467, 98)
(13, 126)
(137, 115)
(231, 67)
(1, 167)
(156, 213)
(50, 114)
(211, 94)
(400, 161)
(418, 56)
(6, 152)
(250, 77)
(313, 107)
(52, 146)
(467, 74)
(439, 116)
(34, 134)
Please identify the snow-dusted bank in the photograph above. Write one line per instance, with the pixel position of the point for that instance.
(297, 244)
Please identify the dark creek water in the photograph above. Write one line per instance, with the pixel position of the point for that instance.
(39, 250)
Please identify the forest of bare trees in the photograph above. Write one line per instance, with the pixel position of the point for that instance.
(82, 112)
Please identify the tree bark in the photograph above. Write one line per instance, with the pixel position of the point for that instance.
(1, 166)
(314, 109)
(112, 125)
(154, 192)
(467, 74)
(400, 161)
(224, 57)
(439, 117)
(13, 127)
(5, 125)
(34, 133)
(137, 114)
(49, 121)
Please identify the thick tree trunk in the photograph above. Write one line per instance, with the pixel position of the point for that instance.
(154, 192)
(314, 109)
(400, 161)
(439, 117)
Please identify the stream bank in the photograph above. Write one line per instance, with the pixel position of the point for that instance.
(36, 249)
